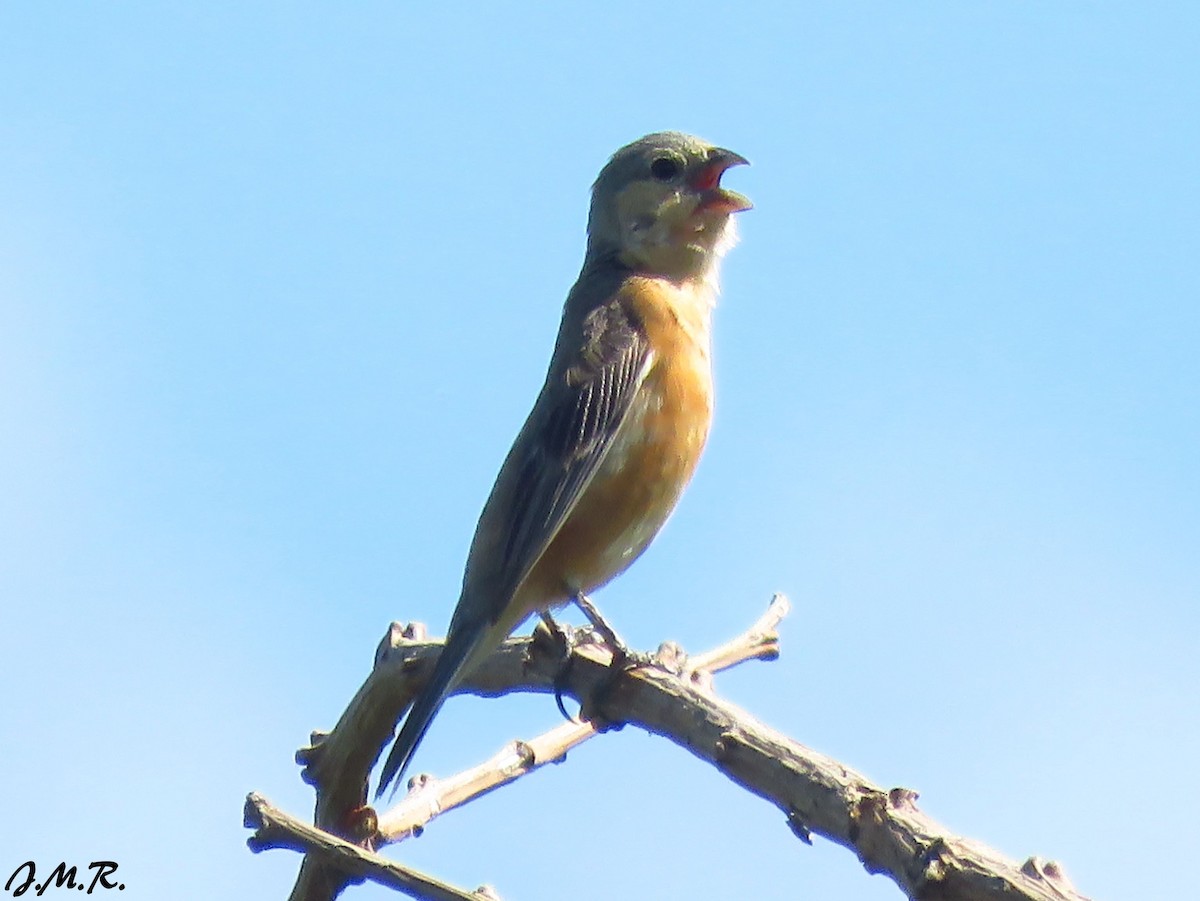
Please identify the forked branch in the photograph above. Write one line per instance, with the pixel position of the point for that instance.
(673, 698)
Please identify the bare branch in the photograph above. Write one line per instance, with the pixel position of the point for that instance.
(275, 829)
(673, 698)
(337, 763)
(429, 798)
(819, 795)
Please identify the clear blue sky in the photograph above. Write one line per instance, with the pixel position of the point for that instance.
(278, 283)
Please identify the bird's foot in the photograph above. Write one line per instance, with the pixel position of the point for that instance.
(623, 660)
(624, 657)
(565, 640)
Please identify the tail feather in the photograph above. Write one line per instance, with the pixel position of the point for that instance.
(462, 650)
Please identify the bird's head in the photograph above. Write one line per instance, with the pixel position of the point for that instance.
(659, 208)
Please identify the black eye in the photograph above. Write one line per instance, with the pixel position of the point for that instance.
(664, 168)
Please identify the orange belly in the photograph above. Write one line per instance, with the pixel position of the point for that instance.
(648, 465)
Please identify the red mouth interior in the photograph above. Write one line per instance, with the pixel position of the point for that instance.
(709, 177)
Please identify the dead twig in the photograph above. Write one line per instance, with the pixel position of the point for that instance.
(673, 698)
(429, 798)
(276, 829)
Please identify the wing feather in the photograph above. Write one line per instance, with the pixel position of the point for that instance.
(574, 436)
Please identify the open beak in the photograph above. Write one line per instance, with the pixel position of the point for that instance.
(707, 183)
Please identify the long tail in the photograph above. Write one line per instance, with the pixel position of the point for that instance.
(465, 646)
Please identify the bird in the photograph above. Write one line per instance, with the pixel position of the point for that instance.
(621, 420)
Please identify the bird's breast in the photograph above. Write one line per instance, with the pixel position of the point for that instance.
(656, 449)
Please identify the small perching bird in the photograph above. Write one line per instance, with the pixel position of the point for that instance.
(621, 421)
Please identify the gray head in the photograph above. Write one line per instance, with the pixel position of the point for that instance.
(659, 208)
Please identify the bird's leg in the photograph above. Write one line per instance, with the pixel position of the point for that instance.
(623, 659)
(622, 655)
(565, 639)
(563, 634)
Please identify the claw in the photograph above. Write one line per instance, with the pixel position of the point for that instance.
(623, 660)
(566, 640)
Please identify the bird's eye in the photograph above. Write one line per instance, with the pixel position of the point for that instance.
(664, 168)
